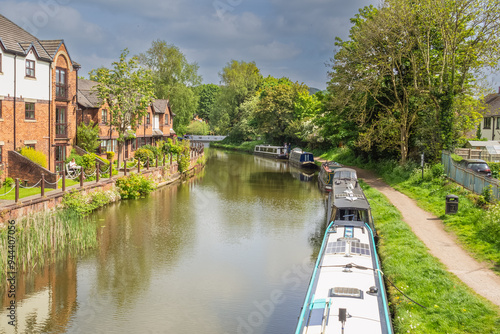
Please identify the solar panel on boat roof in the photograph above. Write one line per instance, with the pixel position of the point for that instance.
(335, 247)
(360, 248)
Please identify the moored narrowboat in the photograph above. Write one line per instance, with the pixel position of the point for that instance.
(301, 159)
(325, 177)
(346, 293)
(277, 152)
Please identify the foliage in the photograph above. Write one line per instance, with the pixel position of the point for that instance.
(198, 128)
(144, 154)
(246, 128)
(155, 149)
(495, 169)
(173, 78)
(128, 91)
(134, 186)
(84, 203)
(88, 136)
(397, 80)
(456, 157)
(37, 157)
(207, 95)
(8, 182)
(110, 155)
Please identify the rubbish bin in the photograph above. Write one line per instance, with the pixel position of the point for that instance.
(451, 204)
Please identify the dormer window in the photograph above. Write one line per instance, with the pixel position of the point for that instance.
(30, 68)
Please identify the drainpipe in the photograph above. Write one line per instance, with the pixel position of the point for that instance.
(76, 107)
(15, 100)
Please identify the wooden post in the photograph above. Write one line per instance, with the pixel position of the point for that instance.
(163, 159)
(42, 188)
(17, 190)
(170, 159)
(81, 177)
(97, 170)
(63, 181)
(138, 165)
(125, 169)
(156, 164)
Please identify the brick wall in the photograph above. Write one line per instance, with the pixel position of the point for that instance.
(24, 169)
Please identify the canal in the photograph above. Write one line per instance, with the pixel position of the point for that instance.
(229, 251)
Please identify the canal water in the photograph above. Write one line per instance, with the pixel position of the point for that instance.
(229, 251)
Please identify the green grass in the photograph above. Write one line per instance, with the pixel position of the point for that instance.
(245, 146)
(451, 307)
(25, 192)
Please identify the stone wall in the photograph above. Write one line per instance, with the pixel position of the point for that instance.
(26, 170)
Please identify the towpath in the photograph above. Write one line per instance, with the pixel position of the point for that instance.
(442, 245)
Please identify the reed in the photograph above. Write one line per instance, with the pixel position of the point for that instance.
(42, 239)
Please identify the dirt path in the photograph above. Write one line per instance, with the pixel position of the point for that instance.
(440, 243)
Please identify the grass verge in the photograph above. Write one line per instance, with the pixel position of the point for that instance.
(451, 307)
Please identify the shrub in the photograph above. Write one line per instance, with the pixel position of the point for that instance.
(8, 182)
(134, 186)
(110, 155)
(34, 155)
(88, 136)
(156, 150)
(83, 204)
(143, 154)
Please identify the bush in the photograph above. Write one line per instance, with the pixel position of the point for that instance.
(8, 182)
(34, 155)
(156, 150)
(143, 154)
(110, 155)
(83, 204)
(134, 186)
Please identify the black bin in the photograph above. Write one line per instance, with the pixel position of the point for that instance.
(451, 204)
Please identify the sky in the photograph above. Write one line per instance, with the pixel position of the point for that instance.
(285, 38)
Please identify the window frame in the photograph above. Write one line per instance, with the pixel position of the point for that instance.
(26, 111)
(29, 69)
(498, 121)
(487, 123)
(104, 116)
(61, 86)
(148, 119)
(61, 127)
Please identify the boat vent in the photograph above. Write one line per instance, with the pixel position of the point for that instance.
(360, 248)
(346, 292)
(336, 247)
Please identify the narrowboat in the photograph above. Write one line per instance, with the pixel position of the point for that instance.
(301, 159)
(277, 152)
(346, 293)
(325, 177)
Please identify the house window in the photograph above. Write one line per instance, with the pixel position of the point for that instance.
(30, 68)
(166, 119)
(30, 145)
(61, 88)
(487, 123)
(102, 149)
(29, 110)
(498, 120)
(60, 157)
(1, 161)
(148, 118)
(61, 123)
(134, 144)
(104, 116)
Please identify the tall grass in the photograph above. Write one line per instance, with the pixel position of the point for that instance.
(451, 307)
(43, 238)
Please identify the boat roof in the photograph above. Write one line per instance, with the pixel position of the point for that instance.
(348, 194)
(330, 166)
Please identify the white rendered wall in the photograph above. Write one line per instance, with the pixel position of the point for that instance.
(33, 88)
(7, 75)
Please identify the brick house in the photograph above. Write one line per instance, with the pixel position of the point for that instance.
(156, 125)
(37, 95)
(490, 126)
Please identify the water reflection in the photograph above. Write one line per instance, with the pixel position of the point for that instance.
(227, 252)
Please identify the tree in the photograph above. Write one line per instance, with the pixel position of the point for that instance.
(207, 95)
(240, 80)
(128, 90)
(173, 79)
(88, 136)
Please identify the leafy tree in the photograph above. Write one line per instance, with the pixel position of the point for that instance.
(207, 95)
(276, 110)
(173, 79)
(198, 128)
(88, 136)
(240, 80)
(128, 90)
